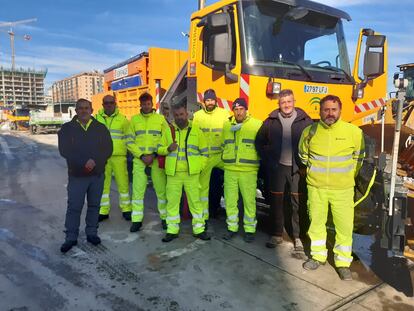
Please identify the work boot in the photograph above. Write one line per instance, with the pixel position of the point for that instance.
(203, 236)
(312, 264)
(274, 241)
(102, 217)
(345, 273)
(68, 245)
(135, 226)
(126, 215)
(164, 224)
(248, 237)
(93, 239)
(169, 237)
(298, 245)
(229, 235)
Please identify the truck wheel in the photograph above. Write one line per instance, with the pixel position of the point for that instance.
(33, 129)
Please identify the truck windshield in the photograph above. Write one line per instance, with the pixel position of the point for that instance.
(293, 43)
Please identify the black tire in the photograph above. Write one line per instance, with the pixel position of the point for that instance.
(33, 129)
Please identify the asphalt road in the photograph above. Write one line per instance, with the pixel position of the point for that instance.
(136, 271)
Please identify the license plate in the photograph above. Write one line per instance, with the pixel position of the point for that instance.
(315, 89)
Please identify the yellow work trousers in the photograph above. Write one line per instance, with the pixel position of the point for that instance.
(342, 208)
(213, 161)
(139, 186)
(246, 183)
(191, 185)
(116, 166)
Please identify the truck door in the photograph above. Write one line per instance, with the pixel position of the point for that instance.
(370, 76)
(215, 55)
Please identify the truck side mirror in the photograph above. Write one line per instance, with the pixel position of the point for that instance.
(374, 57)
(218, 20)
(220, 49)
(218, 43)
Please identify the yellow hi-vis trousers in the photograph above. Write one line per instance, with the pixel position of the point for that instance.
(246, 182)
(139, 186)
(191, 186)
(213, 161)
(342, 208)
(117, 166)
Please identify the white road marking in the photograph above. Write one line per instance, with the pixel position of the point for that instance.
(77, 252)
(185, 250)
(6, 149)
(7, 200)
(151, 225)
(111, 236)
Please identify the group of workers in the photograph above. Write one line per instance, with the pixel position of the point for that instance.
(306, 162)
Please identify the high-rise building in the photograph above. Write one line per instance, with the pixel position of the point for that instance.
(22, 87)
(82, 85)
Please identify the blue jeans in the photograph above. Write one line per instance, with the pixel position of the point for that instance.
(78, 188)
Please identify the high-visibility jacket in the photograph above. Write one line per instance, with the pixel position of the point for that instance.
(239, 151)
(191, 154)
(333, 154)
(211, 123)
(147, 130)
(118, 126)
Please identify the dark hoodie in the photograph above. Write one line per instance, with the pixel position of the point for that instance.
(269, 138)
(77, 146)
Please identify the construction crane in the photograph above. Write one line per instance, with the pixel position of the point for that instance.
(11, 25)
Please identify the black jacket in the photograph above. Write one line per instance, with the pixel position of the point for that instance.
(269, 139)
(77, 146)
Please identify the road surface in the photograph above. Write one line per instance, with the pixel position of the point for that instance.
(136, 271)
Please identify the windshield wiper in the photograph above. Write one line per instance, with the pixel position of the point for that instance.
(298, 66)
(337, 70)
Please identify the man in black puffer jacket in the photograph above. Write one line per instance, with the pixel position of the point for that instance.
(277, 144)
(86, 145)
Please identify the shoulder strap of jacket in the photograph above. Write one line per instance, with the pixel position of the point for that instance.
(186, 139)
(186, 136)
(311, 133)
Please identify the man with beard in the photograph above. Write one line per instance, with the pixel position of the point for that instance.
(333, 151)
(148, 128)
(210, 120)
(186, 157)
(241, 164)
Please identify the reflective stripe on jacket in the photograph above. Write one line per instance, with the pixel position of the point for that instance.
(147, 130)
(118, 126)
(211, 124)
(191, 154)
(239, 151)
(333, 154)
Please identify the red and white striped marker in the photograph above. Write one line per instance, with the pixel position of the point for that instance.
(244, 93)
(221, 102)
(245, 87)
(369, 105)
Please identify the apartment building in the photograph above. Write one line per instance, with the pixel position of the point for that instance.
(22, 87)
(82, 85)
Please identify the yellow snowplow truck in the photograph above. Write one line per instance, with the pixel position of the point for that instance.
(254, 48)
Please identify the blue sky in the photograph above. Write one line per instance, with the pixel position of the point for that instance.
(74, 36)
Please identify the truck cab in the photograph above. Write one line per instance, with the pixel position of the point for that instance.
(254, 48)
